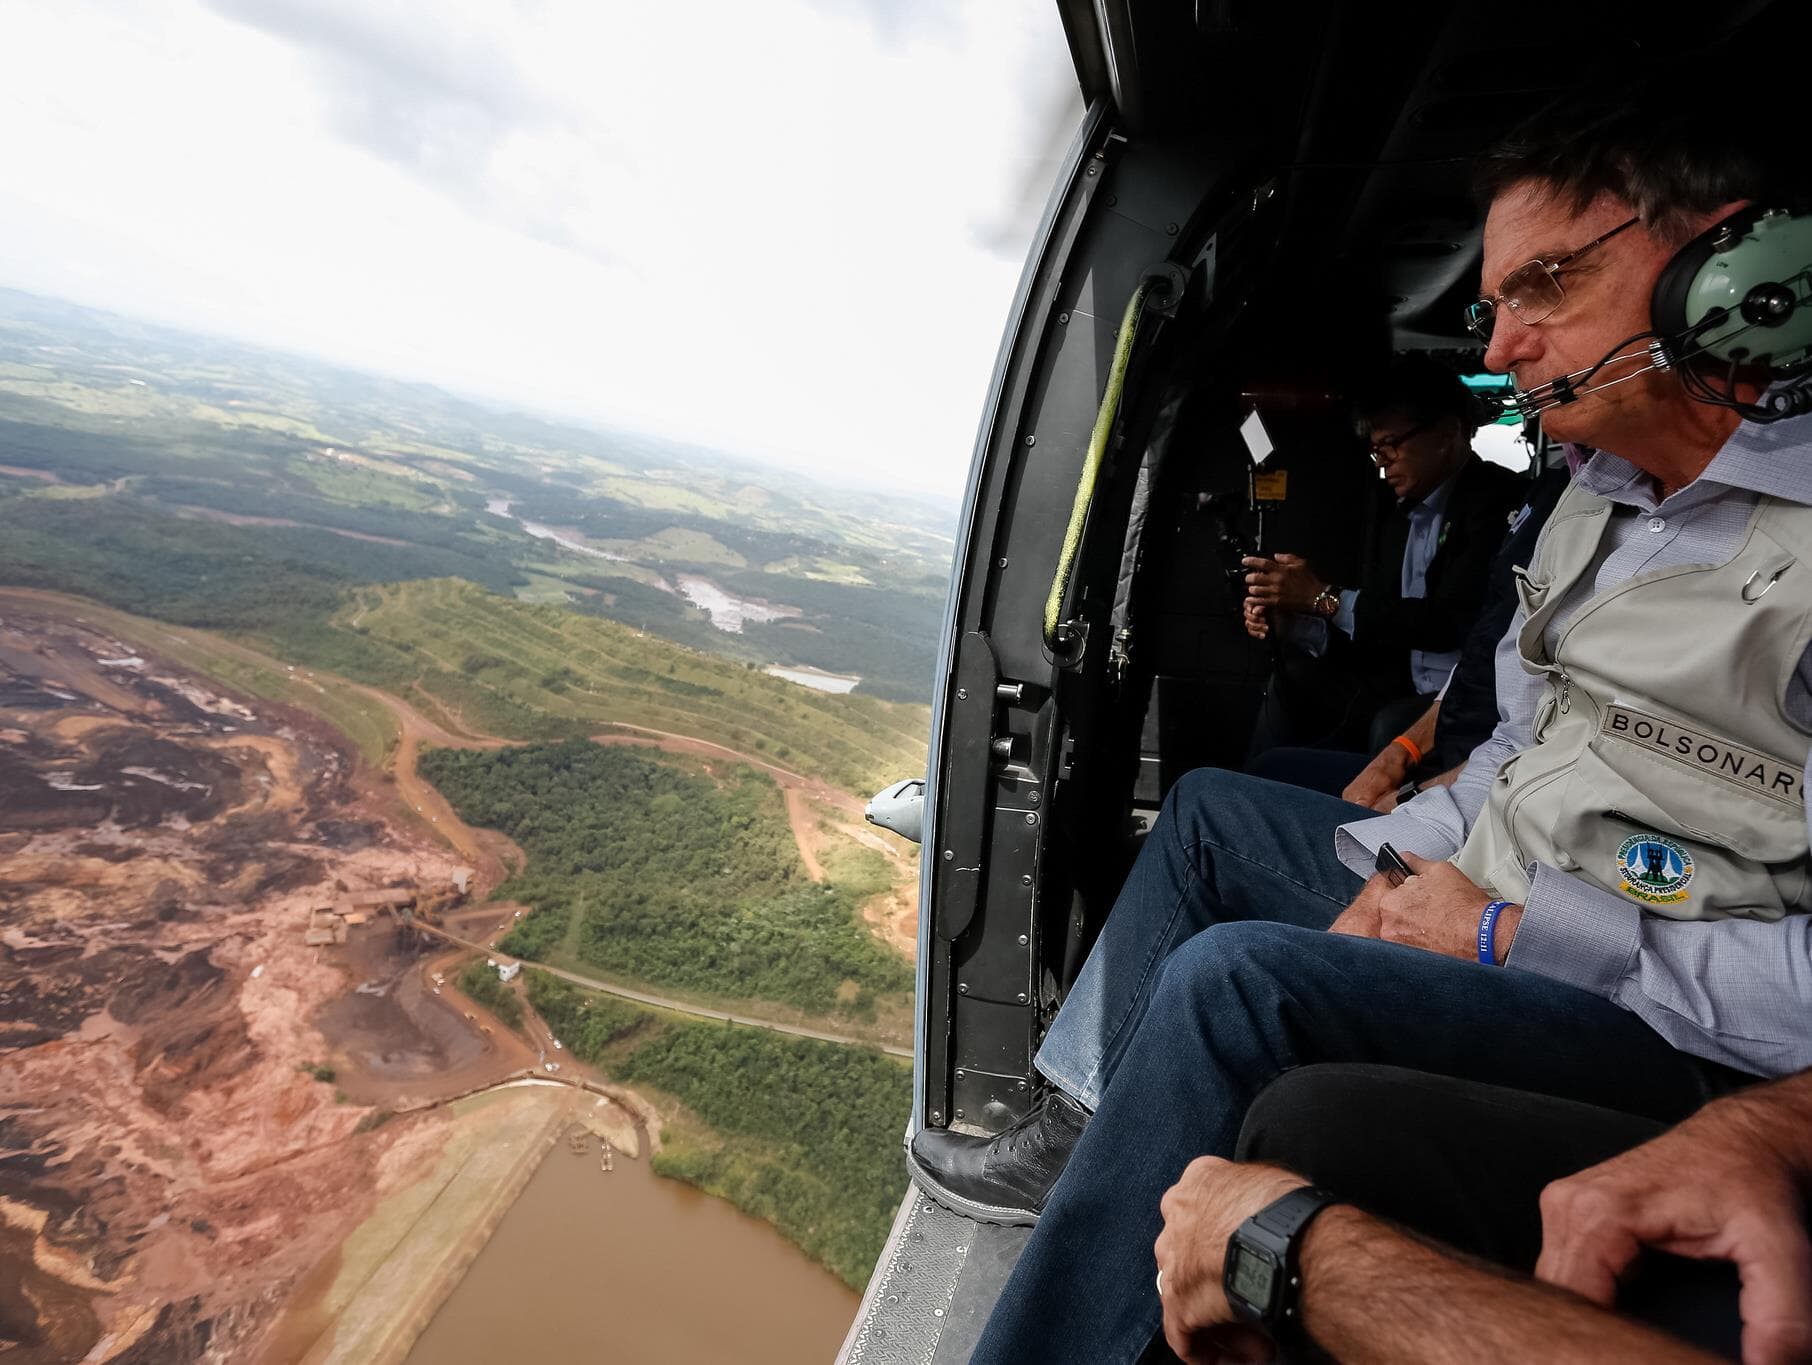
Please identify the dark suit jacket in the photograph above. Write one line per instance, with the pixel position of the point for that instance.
(1387, 625)
(1469, 711)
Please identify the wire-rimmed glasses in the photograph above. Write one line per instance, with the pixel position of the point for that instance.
(1532, 291)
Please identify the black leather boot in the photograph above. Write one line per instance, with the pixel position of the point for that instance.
(1005, 1178)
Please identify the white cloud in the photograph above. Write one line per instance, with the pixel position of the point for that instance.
(789, 229)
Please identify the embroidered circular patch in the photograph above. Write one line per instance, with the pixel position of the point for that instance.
(1653, 868)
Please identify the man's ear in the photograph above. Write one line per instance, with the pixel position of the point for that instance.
(1681, 228)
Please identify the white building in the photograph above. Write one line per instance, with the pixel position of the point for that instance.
(509, 971)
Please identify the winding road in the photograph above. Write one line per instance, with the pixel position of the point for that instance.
(666, 1002)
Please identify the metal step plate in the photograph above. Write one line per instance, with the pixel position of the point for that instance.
(933, 1289)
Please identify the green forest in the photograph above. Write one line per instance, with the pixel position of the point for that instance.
(643, 872)
(804, 1134)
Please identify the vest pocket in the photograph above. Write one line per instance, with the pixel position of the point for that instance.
(1531, 592)
(1681, 844)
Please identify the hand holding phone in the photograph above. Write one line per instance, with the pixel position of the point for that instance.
(1390, 863)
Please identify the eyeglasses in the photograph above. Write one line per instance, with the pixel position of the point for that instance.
(1531, 292)
(1387, 449)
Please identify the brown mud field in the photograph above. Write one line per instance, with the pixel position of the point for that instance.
(192, 1098)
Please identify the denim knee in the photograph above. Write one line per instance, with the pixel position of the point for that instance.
(1205, 799)
(1234, 953)
(1204, 788)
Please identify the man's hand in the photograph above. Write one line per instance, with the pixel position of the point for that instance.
(1437, 909)
(1201, 1211)
(1258, 618)
(1286, 582)
(1364, 917)
(1713, 1188)
(1377, 783)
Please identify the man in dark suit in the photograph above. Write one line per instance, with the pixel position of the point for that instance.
(1385, 645)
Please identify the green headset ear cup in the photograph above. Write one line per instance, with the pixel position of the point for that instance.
(1667, 304)
(1720, 268)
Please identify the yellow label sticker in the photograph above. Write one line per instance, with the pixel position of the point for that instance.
(1272, 487)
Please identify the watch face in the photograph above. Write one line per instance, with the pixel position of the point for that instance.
(1253, 1277)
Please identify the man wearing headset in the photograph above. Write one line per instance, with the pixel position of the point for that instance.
(1624, 917)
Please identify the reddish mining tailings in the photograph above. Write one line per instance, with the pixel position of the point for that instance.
(169, 1170)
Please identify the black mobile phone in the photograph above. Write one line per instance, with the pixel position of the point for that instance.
(1391, 864)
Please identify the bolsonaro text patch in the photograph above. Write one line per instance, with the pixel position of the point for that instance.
(1706, 753)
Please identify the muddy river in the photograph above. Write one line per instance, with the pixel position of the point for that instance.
(628, 1267)
(728, 611)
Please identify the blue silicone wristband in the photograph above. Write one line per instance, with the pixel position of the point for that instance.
(1488, 932)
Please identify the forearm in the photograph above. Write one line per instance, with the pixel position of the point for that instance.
(1776, 1116)
(1428, 825)
(1421, 734)
(1372, 1293)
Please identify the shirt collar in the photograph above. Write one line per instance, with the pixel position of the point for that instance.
(1772, 458)
(1435, 504)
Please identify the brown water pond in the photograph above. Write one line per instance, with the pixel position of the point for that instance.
(626, 1267)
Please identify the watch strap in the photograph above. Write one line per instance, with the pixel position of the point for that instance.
(1273, 1234)
(1289, 1215)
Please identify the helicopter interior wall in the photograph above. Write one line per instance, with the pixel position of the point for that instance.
(1002, 833)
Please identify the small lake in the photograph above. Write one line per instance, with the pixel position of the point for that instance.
(625, 1266)
(811, 677)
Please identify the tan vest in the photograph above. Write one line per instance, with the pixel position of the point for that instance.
(1665, 767)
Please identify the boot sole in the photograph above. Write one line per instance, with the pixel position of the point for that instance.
(968, 1208)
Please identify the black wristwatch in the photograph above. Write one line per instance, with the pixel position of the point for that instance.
(1409, 789)
(1261, 1276)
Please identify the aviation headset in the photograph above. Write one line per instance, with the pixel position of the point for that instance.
(1737, 295)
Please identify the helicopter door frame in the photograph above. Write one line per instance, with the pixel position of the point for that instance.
(1117, 209)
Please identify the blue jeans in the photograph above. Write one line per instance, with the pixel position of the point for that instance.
(1211, 978)
(1225, 847)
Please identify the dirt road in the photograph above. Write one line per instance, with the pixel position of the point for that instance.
(413, 730)
(667, 1003)
(686, 744)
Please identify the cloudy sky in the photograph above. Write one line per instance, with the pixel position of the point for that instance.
(789, 228)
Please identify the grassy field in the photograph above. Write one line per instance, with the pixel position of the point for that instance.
(525, 672)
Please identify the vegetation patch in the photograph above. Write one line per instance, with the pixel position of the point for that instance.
(641, 870)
